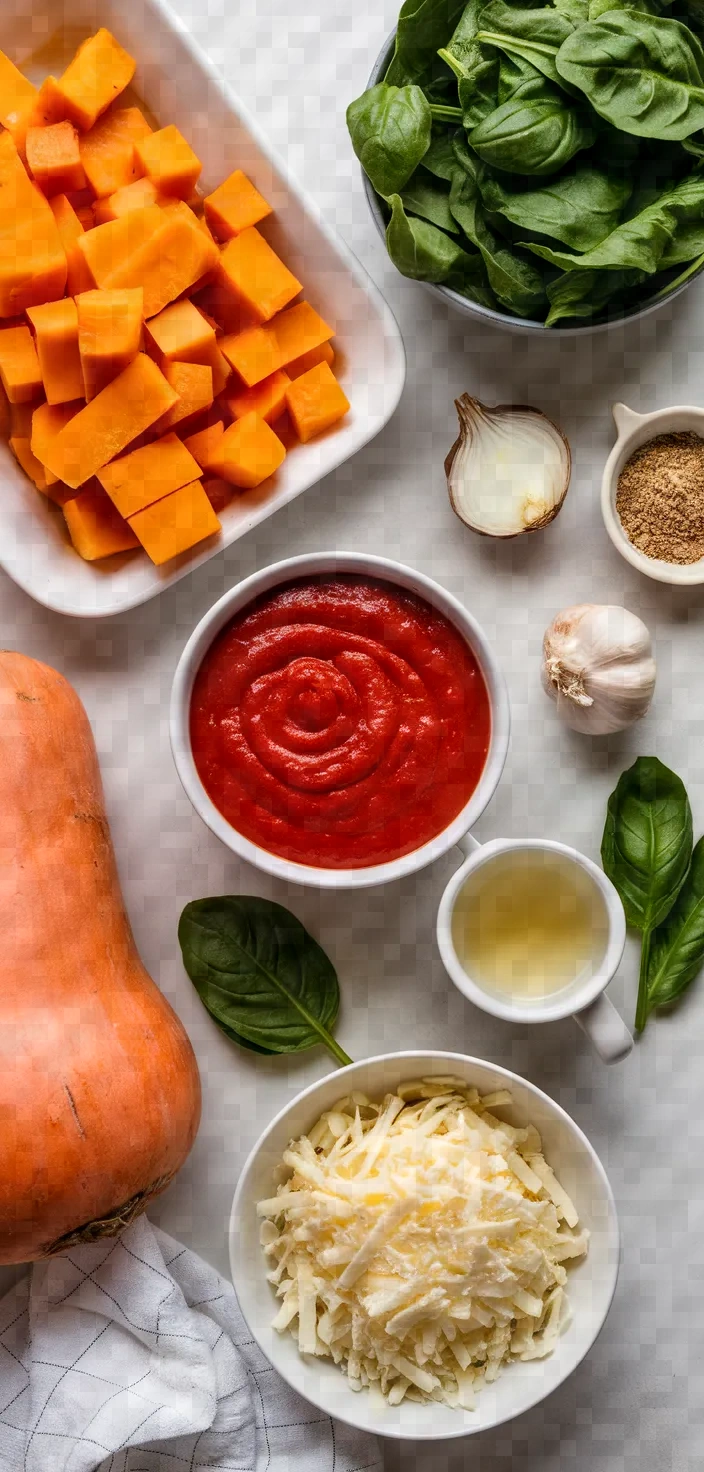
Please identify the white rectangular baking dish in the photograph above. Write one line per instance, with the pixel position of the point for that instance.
(178, 84)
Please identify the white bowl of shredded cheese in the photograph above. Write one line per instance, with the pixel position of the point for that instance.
(424, 1245)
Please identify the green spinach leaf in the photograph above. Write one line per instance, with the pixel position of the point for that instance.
(264, 980)
(644, 73)
(580, 207)
(546, 25)
(677, 952)
(390, 128)
(586, 294)
(418, 249)
(641, 242)
(440, 158)
(540, 55)
(423, 27)
(423, 196)
(514, 281)
(536, 132)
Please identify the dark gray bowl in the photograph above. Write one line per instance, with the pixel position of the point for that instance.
(505, 320)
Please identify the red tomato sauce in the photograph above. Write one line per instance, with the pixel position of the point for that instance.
(340, 722)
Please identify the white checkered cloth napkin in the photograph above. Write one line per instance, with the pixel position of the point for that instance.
(133, 1356)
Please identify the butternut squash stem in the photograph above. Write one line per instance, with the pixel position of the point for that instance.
(109, 1226)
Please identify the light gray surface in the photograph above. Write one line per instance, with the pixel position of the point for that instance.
(637, 1402)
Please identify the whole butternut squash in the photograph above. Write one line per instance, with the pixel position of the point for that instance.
(99, 1087)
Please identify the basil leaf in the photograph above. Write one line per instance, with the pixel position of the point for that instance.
(390, 132)
(264, 980)
(677, 952)
(644, 73)
(647, 844)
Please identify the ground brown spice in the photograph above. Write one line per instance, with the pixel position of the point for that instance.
(660, 497)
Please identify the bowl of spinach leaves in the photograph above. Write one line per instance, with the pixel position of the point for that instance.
(540, 168)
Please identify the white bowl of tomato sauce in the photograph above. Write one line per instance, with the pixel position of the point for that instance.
(339, 719)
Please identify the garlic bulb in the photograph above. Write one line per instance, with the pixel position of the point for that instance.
(598, 666)
(509, 470)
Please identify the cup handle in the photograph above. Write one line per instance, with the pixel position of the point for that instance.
(624, 418)
(468, 844)
(606, 1030)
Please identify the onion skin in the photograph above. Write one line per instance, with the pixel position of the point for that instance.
(466, 407)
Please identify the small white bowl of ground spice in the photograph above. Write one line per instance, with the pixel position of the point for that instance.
(652, 494)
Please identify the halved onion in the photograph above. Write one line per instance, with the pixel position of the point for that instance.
(509, 469)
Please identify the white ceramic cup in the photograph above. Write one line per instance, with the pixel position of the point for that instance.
(311, 565)
(583, 999)
(632, 431)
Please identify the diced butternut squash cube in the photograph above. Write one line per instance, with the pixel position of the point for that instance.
(47, 421)
(181, 334)
(315, 401)
(32, 258)
(256, 276)
(56, 328)
(175, 524)
(249, 452)
(22, 451)
(148, 474)
(109, 249)
(223, 307)
(219, 493)
(109, 334)
(95, 525)
(17, 93)
(108, 151)
(46, 108)
(99, 72)
(54, 160)
(205, 446)
(259, 351)
(169, 161)
(86, 220)
(122, 411)
(268, 398)
(322, 354)
(161, 250)
(78, 277)
(234, 206)
(193, 383)
(21, 416)
(19, 365)
(137, 196)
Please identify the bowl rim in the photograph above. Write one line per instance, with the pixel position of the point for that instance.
(506, 320)
(440, 1057)
(631, 432)
(366, 564)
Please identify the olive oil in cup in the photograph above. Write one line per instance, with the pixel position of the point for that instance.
(534, 931)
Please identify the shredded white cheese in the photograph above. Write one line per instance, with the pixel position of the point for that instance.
(420, 1242)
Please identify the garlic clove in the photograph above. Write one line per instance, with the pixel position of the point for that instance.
(509, 469)
(598, 667)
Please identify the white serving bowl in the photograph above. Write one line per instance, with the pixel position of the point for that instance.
(634, 430)
(591, 1283)
(307, 566)
(179, 84)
